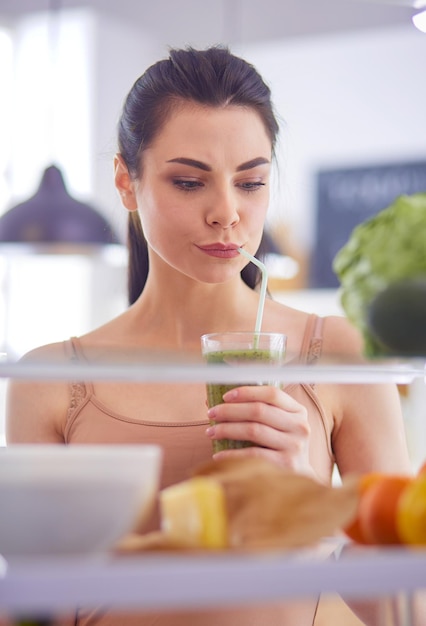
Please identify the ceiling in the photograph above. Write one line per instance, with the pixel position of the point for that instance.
(235, 21)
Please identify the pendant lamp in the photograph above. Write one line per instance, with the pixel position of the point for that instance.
(52, 216)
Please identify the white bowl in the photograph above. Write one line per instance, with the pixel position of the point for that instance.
(76, 499)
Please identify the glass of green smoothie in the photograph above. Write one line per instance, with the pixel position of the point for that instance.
(234, 349)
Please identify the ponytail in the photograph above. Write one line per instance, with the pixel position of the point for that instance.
(138, 257)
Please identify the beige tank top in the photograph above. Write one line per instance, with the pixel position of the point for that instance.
(185, 446)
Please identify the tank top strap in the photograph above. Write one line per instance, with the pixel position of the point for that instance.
(69, 350)
(78, 389)
(312, 339)
(74, 349)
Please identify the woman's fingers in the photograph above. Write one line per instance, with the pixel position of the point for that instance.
(269, 418)
(260, 435)
(284, 458)
(262, 393)
(268, 406)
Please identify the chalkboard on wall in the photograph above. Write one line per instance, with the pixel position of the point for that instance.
(347, 197)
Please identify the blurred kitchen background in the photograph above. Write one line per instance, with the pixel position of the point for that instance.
(348, 82)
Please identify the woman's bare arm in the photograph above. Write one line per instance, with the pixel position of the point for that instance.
(369, 432)
(36, 410)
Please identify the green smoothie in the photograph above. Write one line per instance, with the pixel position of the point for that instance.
(216, 391)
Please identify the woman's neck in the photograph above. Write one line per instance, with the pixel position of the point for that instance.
(181, 311)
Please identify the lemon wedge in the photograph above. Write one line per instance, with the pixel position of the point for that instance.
(193, 512)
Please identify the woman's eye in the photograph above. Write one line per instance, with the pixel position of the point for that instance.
(187, 185)
(251, 185)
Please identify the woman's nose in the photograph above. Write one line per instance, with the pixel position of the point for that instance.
(223, 211)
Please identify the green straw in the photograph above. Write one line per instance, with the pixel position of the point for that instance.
(263, 287)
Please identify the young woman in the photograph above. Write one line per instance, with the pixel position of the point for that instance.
(196, 143)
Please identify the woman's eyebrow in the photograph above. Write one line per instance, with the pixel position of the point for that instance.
(192, 162)
(206, 168)
(252, 163)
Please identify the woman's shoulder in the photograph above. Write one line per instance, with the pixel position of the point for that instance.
(116, 331)
(111, 335)
(280, 314)
(339, 336)
(51, 352)
(36, 406)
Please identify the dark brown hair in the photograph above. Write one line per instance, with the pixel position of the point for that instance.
(212, 77)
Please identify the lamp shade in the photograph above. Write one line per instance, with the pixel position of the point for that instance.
(53, 216)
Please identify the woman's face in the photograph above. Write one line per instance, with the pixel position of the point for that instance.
(204, 190)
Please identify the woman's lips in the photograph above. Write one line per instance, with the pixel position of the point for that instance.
(220, 250)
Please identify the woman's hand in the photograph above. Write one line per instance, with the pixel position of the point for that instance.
(268, 417)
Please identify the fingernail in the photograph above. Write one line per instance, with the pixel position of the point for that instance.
(230, 395)
(211, 412)
(210, 431)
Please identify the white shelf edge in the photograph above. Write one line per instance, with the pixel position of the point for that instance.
(153, 582)
(401, 372)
